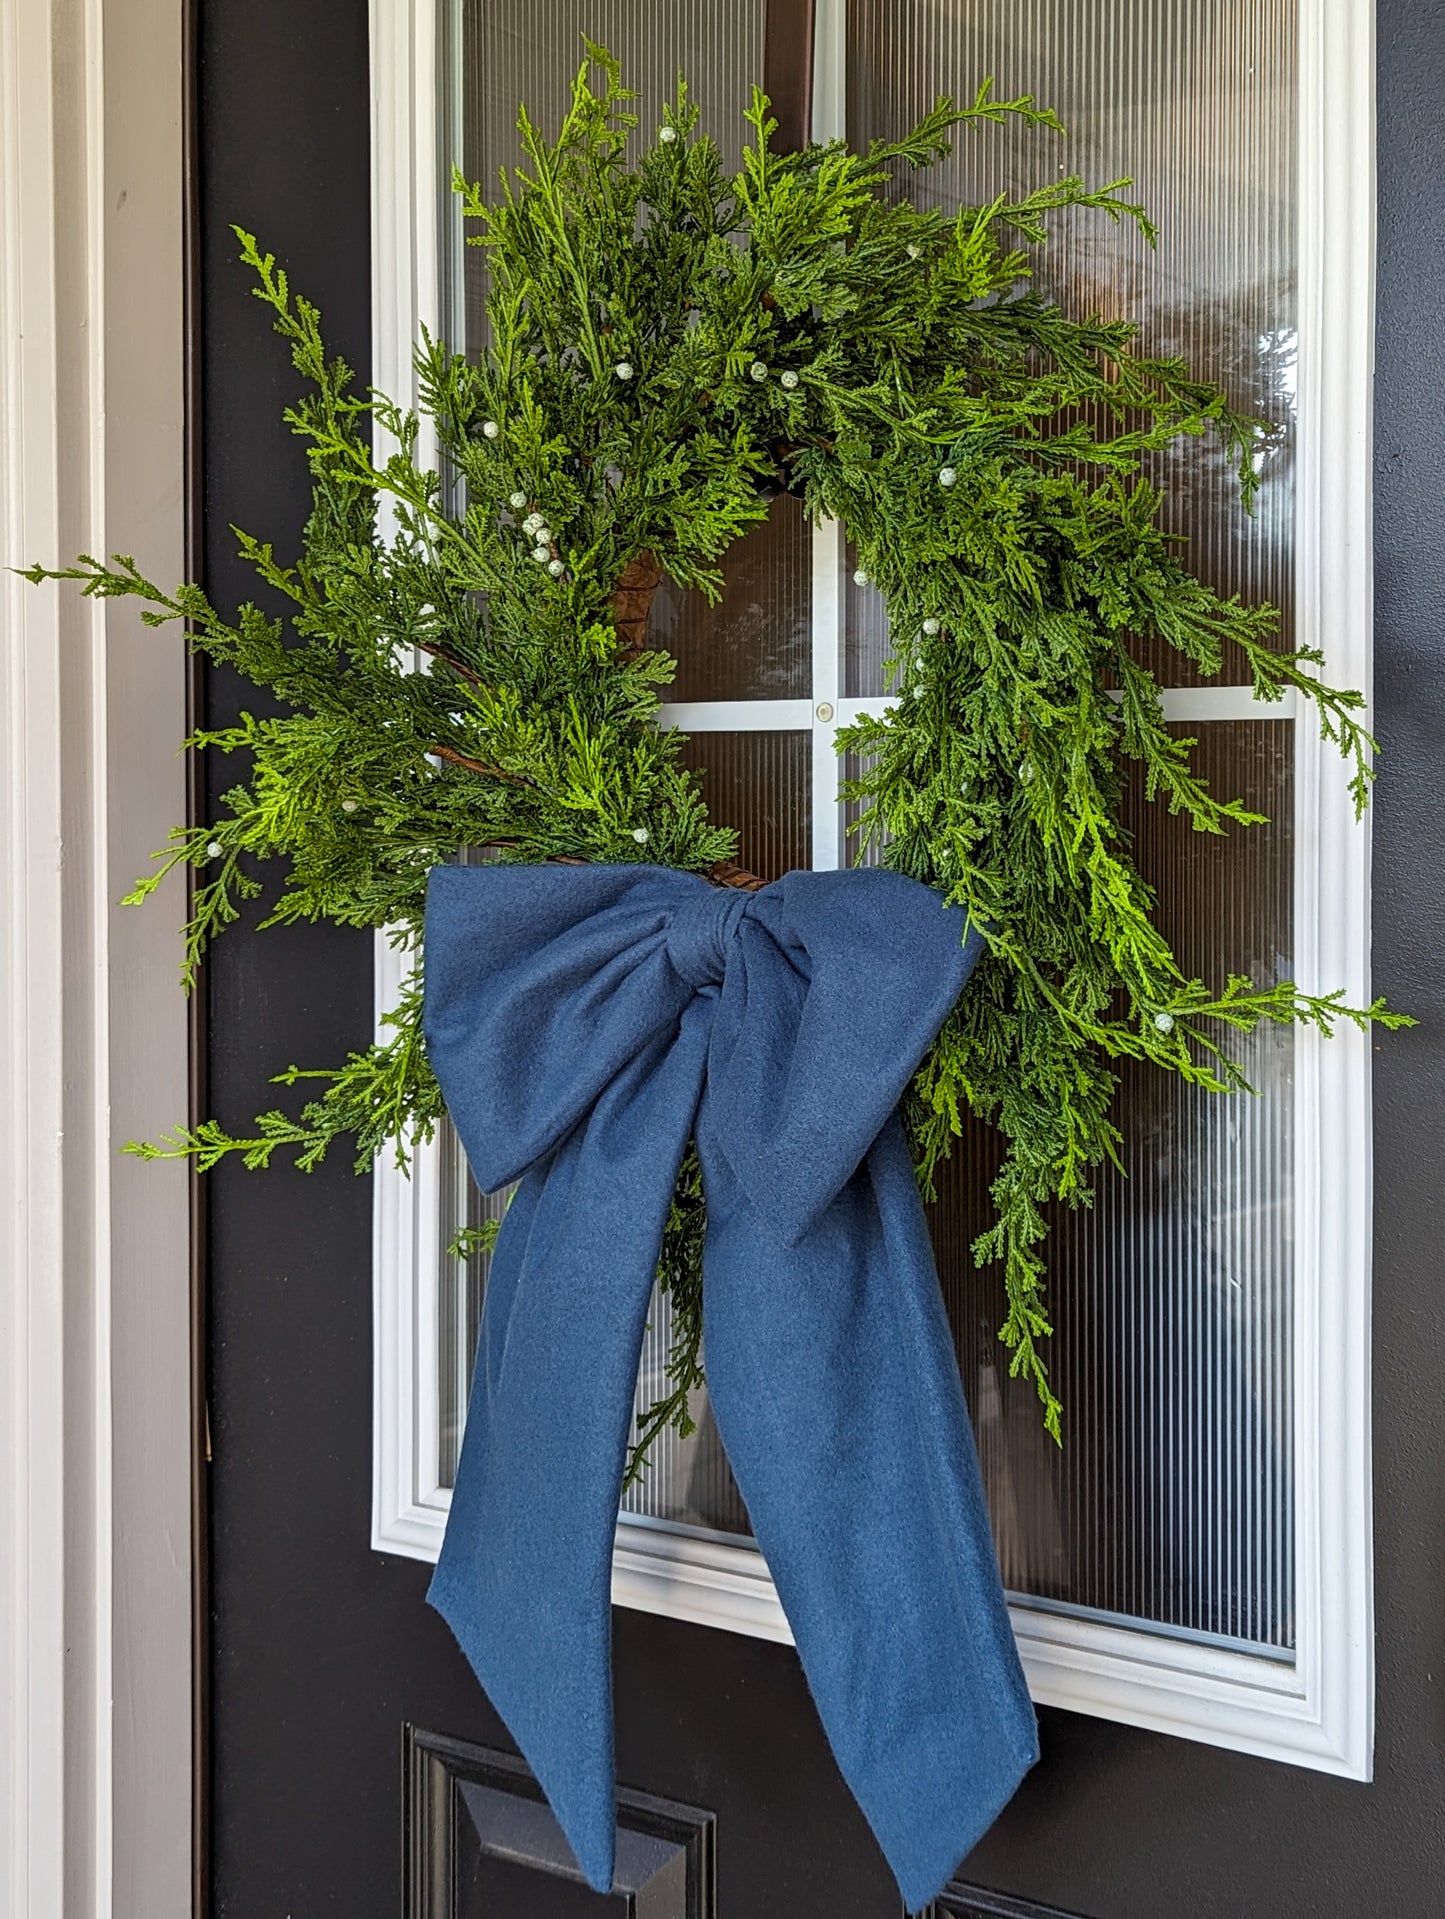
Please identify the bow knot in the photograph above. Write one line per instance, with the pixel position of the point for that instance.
(701, 931)
(584, 1022)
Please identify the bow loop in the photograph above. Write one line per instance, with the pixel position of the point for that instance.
(542, 985)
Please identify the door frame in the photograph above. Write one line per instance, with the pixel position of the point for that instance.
(96, 1354)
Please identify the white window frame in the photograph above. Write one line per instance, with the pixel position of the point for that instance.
(1319, 1710)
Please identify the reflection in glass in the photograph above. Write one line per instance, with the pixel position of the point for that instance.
(1196, 101)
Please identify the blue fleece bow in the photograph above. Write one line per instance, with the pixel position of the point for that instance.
(583, 1022)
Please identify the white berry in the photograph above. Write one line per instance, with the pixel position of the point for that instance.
(540, 553)
(214, 850)
(930, 627)
(348, 806)
(556, 569)
(516, 500)
(641, 835)
(1164, 1022)
(623, 369)
(759, 369)
(860, 578)
(532, 522)
(543, 535)
(667, 135)
(490, 429)
(947, 475)
(788, 379)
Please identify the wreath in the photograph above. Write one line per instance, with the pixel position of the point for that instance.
(670, 347)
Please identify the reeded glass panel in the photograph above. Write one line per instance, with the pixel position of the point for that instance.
(757, 783)
(463, 1282)
(866, 647)
(1171, 1298)
(756, 642)
(510, 52)
(1170, 1502)
(1196, 101)
(1171, 1499)
(687, 1482)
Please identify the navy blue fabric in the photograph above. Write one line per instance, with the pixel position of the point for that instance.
(583, 1022)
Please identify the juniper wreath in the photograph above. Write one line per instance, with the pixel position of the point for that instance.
(671, 347)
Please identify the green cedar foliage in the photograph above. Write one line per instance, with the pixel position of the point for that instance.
(669, 347)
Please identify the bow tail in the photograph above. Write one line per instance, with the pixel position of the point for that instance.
(836, 1391)
(524, 1577)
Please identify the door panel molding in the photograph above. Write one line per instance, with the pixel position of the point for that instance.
(468, 1807)
(958, 1901)
(1317, 1711)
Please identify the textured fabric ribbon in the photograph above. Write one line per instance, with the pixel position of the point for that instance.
(583, 1022)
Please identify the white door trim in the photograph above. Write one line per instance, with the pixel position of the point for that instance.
(95, 1421)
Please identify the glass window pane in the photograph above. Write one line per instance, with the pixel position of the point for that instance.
(688, 1481)
(758, 783)
(1196, 101)
(1171, 1500)
(507, 53)
(866, 645)
(756, 643)
(462, 1284)
(1171, 1298)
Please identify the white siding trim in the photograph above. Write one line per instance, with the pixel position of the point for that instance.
(95, 1423)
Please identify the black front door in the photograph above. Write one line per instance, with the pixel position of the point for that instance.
(355, 1767)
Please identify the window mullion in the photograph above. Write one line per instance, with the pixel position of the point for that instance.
(830, 69)
(827, 646)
